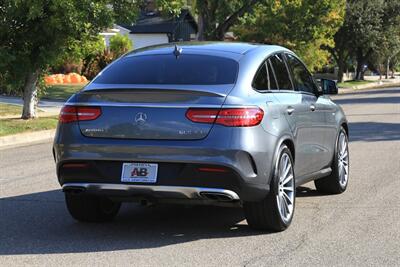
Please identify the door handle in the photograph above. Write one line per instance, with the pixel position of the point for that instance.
(290, 110)
(312, 107)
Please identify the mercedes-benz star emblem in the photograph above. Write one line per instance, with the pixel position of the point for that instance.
(140, 118)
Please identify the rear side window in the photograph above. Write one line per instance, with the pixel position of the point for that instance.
(261, 80)
(271, 76)
(301, 77)
(265, 78)
(167, 69)
(281, 72)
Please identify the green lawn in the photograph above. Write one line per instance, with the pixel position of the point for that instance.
(14, 126)
(8, 109)
(353, 83)
(62, 91)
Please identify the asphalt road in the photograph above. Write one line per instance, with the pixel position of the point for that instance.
(360, 227)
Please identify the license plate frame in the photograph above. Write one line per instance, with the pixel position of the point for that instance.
(139, 172)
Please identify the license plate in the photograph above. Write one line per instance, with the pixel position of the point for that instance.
(139, 172)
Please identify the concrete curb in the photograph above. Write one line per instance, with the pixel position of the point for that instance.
(371, 86)
(26, 138)
(40, 115)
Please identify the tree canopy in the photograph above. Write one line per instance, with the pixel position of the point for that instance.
(215, 17)
(370, 33)
(35, 33)
(301, 25)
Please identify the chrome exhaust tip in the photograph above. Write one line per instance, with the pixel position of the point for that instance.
(74, 189)
(219, 196)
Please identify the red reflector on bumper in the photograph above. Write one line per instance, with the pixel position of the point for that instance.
(212, 170)
(75, 165)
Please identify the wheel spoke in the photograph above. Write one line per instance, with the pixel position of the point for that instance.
(281, 167)
(287, 179)
(285, 206)
(340, 170)
(342, 144)
(345, 170)
(283, 210)
(286, 188)
(287, 198)
(286, 173)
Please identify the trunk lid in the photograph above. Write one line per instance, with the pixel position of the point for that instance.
(145, 112)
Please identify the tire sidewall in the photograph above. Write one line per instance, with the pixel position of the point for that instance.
(275, 185)
(336, 160)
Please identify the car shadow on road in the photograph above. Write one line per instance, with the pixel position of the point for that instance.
(40, 224)
(374, 131)
(389, 90)
(303, 191)
(368, 100)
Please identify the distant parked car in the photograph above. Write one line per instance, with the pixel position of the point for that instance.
(202, 123)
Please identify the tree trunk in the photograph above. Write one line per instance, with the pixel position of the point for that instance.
(200, 24)
(387, 68)
(340, 74)
(30, 94)
(359, 71)
(340, 62)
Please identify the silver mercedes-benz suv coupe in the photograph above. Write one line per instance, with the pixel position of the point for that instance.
(203, 123)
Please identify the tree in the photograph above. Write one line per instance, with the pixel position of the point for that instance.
(302, 25)
(339, 50)
(120, 44)
(370, 34)
(365, 30)
(215, 17)
(389, 44)
(36, 33)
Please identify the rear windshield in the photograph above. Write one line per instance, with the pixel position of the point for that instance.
(167, 69)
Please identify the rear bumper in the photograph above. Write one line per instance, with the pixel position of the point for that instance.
(247, 154)
(150, 192)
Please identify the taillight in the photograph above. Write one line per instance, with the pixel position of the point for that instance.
(234, 117)
(76, 113)
(202, 115)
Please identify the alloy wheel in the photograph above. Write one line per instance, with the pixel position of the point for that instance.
(343, 160)
(285, 196)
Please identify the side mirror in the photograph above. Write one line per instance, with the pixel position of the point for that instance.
(329, 87)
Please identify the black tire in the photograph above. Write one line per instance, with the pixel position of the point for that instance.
(265, 214)
(331, 184)
(90, 208)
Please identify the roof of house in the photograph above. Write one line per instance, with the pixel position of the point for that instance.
(153, 22)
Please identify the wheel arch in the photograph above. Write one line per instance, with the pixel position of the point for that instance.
(286, 140)
(290, 144)
(346, 127)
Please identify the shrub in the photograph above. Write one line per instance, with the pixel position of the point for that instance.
(120, 44)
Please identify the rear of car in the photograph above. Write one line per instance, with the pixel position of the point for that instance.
(222, 124)
(155, 126)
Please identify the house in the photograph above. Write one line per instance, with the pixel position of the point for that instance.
(151, 28)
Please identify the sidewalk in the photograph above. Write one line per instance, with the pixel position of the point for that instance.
(373, 85)
(50, 106)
